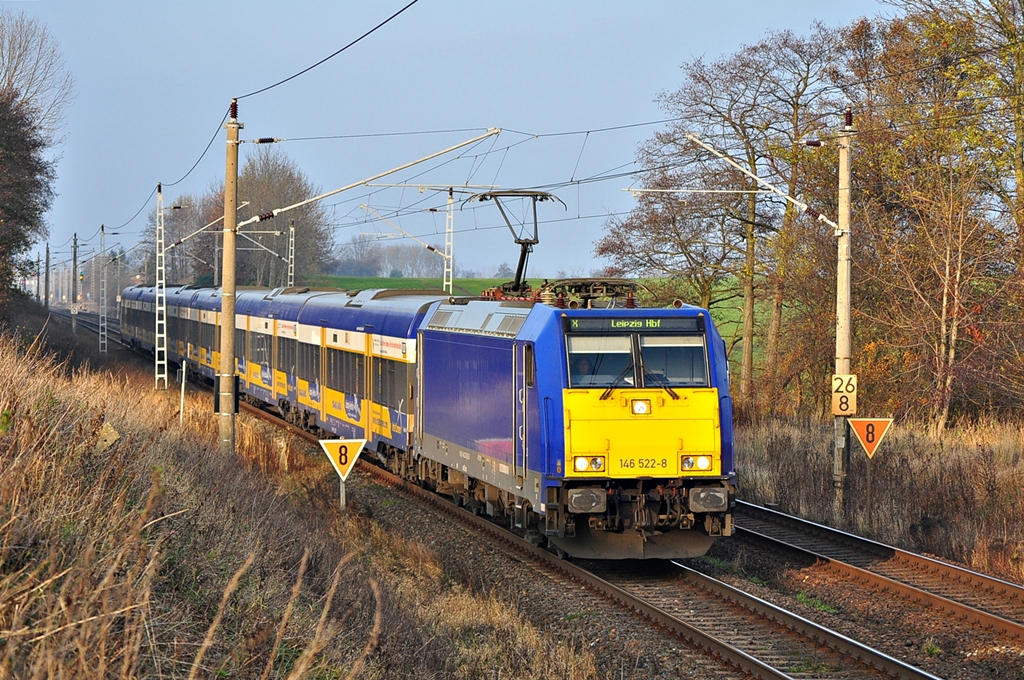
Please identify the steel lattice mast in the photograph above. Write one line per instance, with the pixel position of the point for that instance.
(160, 311)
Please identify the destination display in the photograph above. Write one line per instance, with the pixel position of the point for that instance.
(597, 324)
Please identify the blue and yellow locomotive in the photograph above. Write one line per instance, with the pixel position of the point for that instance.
(600, 429)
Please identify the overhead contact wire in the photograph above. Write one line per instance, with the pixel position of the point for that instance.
(331, 56)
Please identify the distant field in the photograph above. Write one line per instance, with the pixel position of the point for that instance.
(461, 286)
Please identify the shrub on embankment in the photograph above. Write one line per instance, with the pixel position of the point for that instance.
(960, 497)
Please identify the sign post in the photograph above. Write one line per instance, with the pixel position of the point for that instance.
(869, 433)
(343, 454)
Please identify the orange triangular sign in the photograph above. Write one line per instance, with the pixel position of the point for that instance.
(870, 431)
(343, 454)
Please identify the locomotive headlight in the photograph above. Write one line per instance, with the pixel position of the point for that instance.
(640, 407)
(699, 462)
(588, 463)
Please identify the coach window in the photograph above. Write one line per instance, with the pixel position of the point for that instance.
(309, 363)
(206, 335)
(286, 355)
(335, 363)
(240, 344)
(260, 348)
(354, 378)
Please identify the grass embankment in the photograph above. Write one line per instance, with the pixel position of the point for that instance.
(129, 547)
(961, 497)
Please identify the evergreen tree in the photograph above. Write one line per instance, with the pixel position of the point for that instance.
(26, 189)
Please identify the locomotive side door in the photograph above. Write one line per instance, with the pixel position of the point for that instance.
(522, 366)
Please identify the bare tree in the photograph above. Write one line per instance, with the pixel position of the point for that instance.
(801, 103)
(270, 180)
(33, 70)
(361, 256)
(689, 240)
(412, 260)
(724, 103)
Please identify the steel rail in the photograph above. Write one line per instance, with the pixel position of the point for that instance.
(866, 655)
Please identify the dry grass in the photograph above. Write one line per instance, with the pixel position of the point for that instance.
(152, 556)
(960, 497)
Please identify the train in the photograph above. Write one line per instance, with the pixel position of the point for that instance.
(590, 424)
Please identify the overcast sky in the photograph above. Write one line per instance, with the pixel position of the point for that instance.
(154, 80)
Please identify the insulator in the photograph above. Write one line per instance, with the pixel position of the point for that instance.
(813, 213)
(630, 300)
(234, 109)
(267, 216)
(849, 117)
(265, 140)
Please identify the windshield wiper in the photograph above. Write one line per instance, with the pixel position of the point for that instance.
(656, 378)
(608, 392)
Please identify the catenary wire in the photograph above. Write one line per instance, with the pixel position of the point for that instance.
(331, 56)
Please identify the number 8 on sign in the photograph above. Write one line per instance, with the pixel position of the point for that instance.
(844, 394)
(343, 454)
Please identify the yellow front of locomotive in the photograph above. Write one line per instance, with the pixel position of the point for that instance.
(643, 467)
(642, 433)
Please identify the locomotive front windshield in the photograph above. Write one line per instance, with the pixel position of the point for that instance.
(637, 360)
(600, 360)
(673, 360)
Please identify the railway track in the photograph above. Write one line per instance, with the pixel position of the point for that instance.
(90, 321)
(787, 642)
(988, 603)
